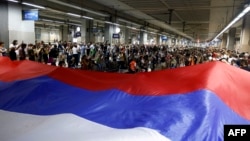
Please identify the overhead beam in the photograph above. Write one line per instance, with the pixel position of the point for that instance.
(178, 16)
(186, 8)
(190, 22)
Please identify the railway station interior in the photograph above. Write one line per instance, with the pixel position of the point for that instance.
(216, 29)
(124, 70)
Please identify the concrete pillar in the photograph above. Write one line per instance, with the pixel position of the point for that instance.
(231, 38)
(65, 32)
(83, 30)
(4, 23)
(218, 21)
(158, 39)
(176, 42)
(169, 42)
(143, 37)
(245, 35)
(224, 40)
(108, 32)
(127, 36)
(12, 26)
(110, 29)
(90, 34)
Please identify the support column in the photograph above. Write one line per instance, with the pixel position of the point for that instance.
(143, 37)
(83, 31)
(169, 41)
(158, 39)
(177, 42)
(4, 24)
(127, 36)
(222, 19)
(245, 35)
(231, 39)
(12, 26)
(65, 32)
(89, 34)
(224, 40)
(108, 33)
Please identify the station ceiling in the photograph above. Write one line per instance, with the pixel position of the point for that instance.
(194, 19)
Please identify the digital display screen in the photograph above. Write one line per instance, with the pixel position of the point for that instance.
(116, 35)
(77, 34)
(164, 37)
(30, 15)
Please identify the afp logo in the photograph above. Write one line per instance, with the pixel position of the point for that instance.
(236, 132)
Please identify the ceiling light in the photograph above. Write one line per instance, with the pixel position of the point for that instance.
(87, 17)
(79, 8)
(37, 6)
(13, 1)
(117, 30)
(108, 22)
(116, 24)
(132, 28)
(59, 22)
(74, 24)
(243, 13)
(46, 20)
(129, 22)
(75, 15)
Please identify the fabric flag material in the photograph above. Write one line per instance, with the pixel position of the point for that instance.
(40, 102)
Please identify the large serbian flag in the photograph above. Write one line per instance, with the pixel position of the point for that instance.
(46, 103)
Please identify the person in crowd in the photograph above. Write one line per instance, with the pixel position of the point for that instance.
(82, 49)
(14, 50)
(22, 53)
(75, 51)
(3, 50)
(244, 65)
(132, 66)
(53, 54)
(31, 52)
(85, 63)
(132, 58)
(61, 63)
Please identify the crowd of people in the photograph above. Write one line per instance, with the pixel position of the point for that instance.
(121, 58)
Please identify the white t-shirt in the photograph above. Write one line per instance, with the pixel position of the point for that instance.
(75, 50)
(15, 46)
(2, 50)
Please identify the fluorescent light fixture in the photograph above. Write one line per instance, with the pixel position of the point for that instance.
(13, 1)
(108, 22)
(243, 13)
(129, 22)
(74, 24)
(116, 24)
(59, 22)
(112, 23)
(53, 10)
(33, 5)
(79, 8)
(46, 20)
(132, 28)
(85, 17)
(117, 30)
(75, 15)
